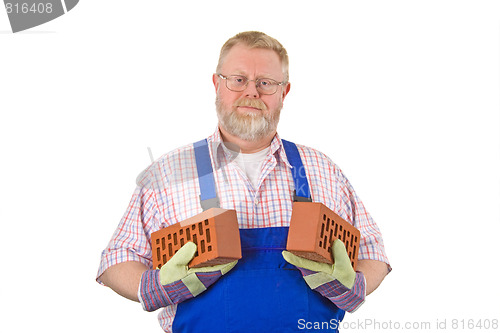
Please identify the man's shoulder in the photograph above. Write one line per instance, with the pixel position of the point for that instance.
(166, 164)
(318, 164)
(185, 151)
(308, 152)
(317, 161)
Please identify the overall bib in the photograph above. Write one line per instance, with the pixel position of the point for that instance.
(263, 292)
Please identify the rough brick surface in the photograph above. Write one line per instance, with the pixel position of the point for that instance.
(314, 227)
(215, 232)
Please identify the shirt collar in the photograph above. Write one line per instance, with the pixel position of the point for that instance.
(276, 147)
(215, 138)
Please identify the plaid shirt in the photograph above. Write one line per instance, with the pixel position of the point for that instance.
(168, 192)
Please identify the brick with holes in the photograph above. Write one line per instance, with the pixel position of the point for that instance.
(215, 232)
(314, 227)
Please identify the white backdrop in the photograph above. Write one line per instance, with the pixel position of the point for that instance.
(402, 95)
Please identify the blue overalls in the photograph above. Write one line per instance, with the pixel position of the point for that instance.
(263, 292)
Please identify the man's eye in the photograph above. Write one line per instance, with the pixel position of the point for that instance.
(266, 83)
(239, 79)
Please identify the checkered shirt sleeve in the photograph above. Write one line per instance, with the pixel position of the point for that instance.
(131, 239)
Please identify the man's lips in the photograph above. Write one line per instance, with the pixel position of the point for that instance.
(249, 108)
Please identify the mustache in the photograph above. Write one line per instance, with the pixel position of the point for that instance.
(254, 103)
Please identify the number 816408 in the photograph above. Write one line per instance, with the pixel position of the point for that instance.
(25, 8)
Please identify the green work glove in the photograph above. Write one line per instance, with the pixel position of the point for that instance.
(176, 282)
(338, 282)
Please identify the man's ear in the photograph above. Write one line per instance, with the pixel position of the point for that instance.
(286, 90)
(216, 81)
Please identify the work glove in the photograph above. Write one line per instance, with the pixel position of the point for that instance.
(175, 282)
(338, 282)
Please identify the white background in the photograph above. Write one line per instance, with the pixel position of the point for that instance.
(402, 95)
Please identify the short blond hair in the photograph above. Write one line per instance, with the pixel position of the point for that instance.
(259, 40)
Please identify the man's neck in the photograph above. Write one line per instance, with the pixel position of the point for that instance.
(246, 147)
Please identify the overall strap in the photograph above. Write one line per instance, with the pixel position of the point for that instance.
(208, 196)
(301, 192)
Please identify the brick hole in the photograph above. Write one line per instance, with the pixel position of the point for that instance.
(158, 254)
(181, 231)
(175, 239)
(322, 230)
(200, 228)
(353, 251)
(336, 230)
(188, 234)
(164, 258)
(163, 243)
(169, 236)
(325, 242)
(195, 239)
(209, 248)
(170, 252)
(324, 217)
(343, 238)
(320, 244)
(202, 245)
(330, 241)
(206, 222)
(193, 226)
(208, 235)
(182, 241)
(158, 241)
(328, 224)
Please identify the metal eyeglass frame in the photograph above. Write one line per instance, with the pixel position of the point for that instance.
(257, 85)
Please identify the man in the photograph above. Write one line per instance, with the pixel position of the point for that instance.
(268, 289)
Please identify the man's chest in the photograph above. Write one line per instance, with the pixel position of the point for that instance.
(269, 204)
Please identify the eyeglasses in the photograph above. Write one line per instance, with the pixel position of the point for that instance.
(239, 83)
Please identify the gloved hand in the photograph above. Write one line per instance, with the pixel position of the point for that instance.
(338, 282)
(176, 282)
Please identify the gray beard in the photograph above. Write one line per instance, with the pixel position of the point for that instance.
(248, 127)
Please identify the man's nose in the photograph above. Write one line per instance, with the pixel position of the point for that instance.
(251, 90)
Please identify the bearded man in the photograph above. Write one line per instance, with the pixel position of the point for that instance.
(268, 289)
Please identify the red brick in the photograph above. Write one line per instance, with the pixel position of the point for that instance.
(215, 232)
(314, 227)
